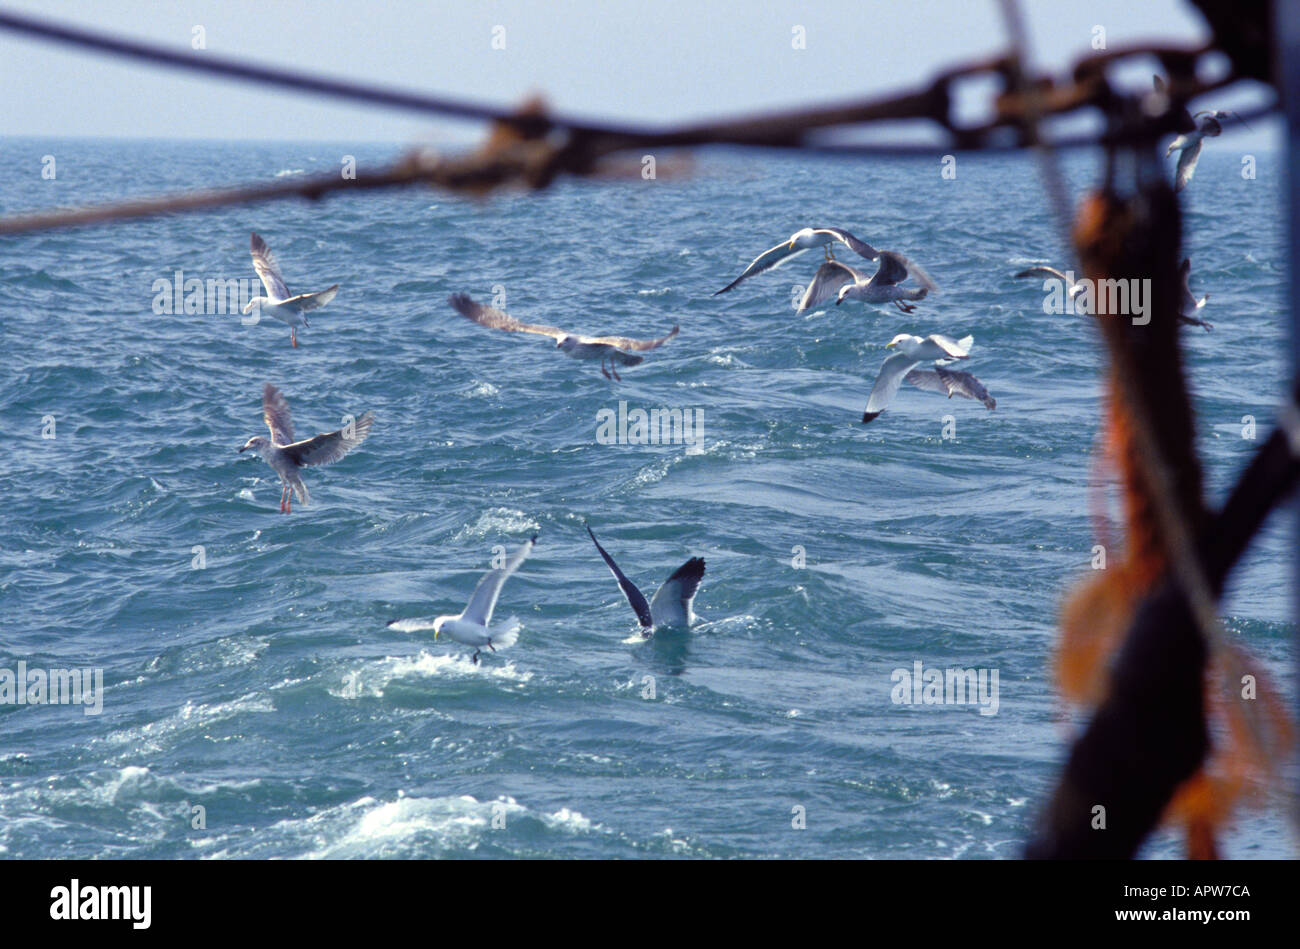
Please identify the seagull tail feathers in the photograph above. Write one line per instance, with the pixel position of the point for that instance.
(505, 635)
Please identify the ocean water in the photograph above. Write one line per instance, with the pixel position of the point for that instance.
(264, 688)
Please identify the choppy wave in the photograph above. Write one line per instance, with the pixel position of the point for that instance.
(264, 686)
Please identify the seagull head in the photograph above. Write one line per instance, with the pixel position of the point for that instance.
(257, 443)
(903, 341)
(803, 234)
(566, 343)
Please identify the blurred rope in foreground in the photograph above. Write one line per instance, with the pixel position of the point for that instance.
(532, 147)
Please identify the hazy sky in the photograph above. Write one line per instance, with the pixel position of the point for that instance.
(604, 58)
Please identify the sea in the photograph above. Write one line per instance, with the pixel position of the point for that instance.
(249, 700)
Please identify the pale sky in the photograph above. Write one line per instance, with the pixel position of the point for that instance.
(658, 61)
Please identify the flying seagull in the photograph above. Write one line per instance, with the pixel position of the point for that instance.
(671, 604)
(472, 626)
(912, 351)
(1206, 124)
(1072, 287)
(800, 241)
(612, 348)
(844, 283)
(286, 456)
(1189, 304)
(279, 303)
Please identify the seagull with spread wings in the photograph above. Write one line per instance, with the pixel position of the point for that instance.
(1071, 286)
(472, 626)
(279, 302)
(1208, 123)
(801, 240)
(834, 279)
(901, 367)
(286, 456)
(615, 349)
(671, 604)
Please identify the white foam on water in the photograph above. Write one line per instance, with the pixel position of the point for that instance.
(152, 736)
(499, 521)
(371, 679)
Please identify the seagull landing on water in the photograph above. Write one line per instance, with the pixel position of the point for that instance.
(671, 605)
(286, 456)
(912, 351)
(610, 348)
(844, 283)
(472, 626)
(801, 240)
(1189, 304)
(279, 303)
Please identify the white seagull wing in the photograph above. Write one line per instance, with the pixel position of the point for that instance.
(946, 348)
(1044, 271)
(890, 377)
(412, 625)
(266, 267)
(847, 239)
(671, 605)
(766, 261)
(826, 283)
(312, 301)
(1190, 303)
(1186, 165)
(484, 600)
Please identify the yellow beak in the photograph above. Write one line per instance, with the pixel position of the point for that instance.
(791, 245)
(889, 345)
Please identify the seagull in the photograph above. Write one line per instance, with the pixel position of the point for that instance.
(1189, 304)
(671, 604)
(1188, 145)
(575, 347)
(286, 456)
(1208, 125)
(1072, 287)
(472, 626)
(279, 303)
(844, 283)
(913, 350)
(800, 241)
